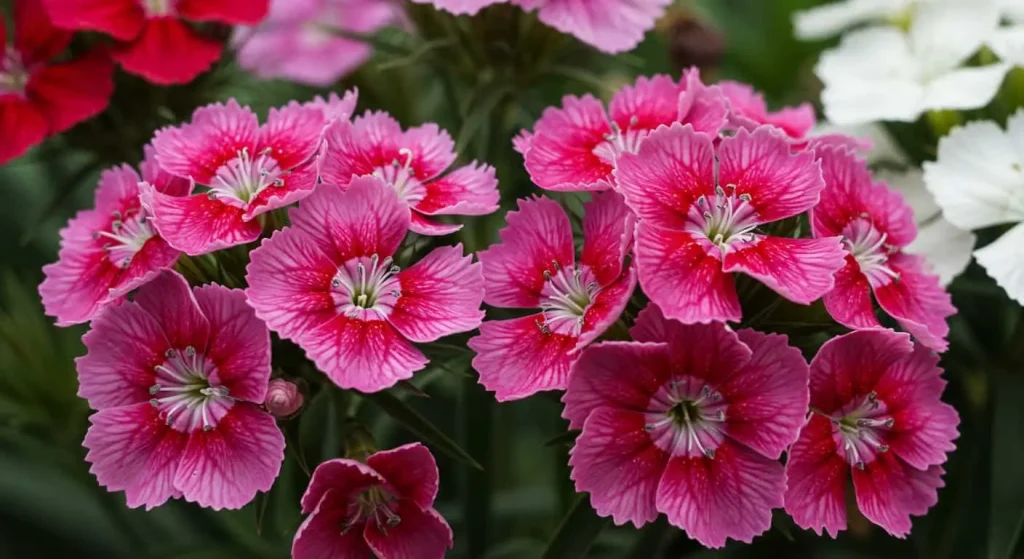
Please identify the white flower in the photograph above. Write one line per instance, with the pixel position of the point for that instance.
(1008, 43)
(978, 181)
(830, 19)
(882, 73)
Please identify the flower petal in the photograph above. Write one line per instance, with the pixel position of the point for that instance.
(70, 92)
(167, 52)
(239, 342)
(343, 477)
(516, 359)
(800, 270)
(422, 225)
(611, 26)
(1003, 261)
(917, 301)
(161, 180)
(292, 133)
(319, 537)
(368, 356)
(169, 300)
(468, 190)
(22, 126)
(217, 133)
(410, 470)
(197, 224)
(889, 492)
(607, 307)
(965, 88)
(816, 478)
(421, 533)
(646, 104)
(849, 302)
(358, 147)
(121, 19)
(237, 12)
(607, 235)
(441, 295)
(850, 366)
(561, 155)
(433, 150)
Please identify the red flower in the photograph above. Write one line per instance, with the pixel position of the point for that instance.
(153, 40)
(38, 99)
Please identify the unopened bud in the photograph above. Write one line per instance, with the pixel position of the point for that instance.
(283, 398)
(692, 42)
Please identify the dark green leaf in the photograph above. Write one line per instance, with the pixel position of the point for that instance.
(420, 426)
(576, 533)
(565, 438)
(1007, 516)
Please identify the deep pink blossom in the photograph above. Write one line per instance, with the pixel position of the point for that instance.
(876, 225)
(747, 109)
(177, 376)
(248, 170)
(329, 283)
(687, 421)
(700, 203)
(535, 267)
(383, 508)
(107, 251)
(413, 162)
(576, 146)
(877, 414)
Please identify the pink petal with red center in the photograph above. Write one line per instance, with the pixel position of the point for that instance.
(468, 190)
(729, 496)
(77, 286)
(197, 224)
(433, 150)
(516, 359)
(365, 355)
(292, 133)
(596, 379)
(295, 185)
(319, 535)
(154, 256)
(607, 235)
(215, 136)
(673, 168)
(132, 449)
(70, 92)
(121, 19)
(889, 491)
(161, 180)
(21, 125)
(538, 238)
(344, 477)
(683, 278)
(168, 52)
(917, 301)
(703, 107)
(816, 478)
(760, 164)
(358, 147)
(426, 226)
(849, 302)
(441, 295)
(235, 12)
(421, 534)
(848, 367)
(611, 26)
(410, 470)
(646, 104)
(239, 342)
(748, 110)
(169, 300)
(606, 308)
(36, 37)
(800, 270)
(224, 468)
(561, 155)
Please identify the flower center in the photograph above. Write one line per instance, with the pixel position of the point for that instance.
(154, 8)
(13, 74)
(619, 141)
(685, 417)
(402, 177)
(375, 504)
(867, 245)
(128, 234)
(567, 294)
(366, 287)
(724, 219)
(860, 430)
(243, 177)
(183, 393)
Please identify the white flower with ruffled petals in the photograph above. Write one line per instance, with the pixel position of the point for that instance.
(827, 20)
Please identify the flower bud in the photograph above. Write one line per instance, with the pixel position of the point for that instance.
(283, 398)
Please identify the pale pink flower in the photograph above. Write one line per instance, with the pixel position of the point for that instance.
(576, 146)
(107, 251)
(876, 225)
(329, 283)
(297, 41)
(699, 204)
(535, 267)
(384, 508)
(413, 162)
(283, 398)
(877, 414)
(177, 375)
(687, 421)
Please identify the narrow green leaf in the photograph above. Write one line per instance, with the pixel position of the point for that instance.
(420, 426)
(1007, 513)
(477, 413)
(565, 438)
(577, 532)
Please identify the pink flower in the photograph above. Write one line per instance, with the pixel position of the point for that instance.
(876, 224)
(249, 169)
(534, 266)
(576, 146)
(111, 249)
(700, 202)
(412, 162)
(384, 508)
(688, 421)
(877, 414)
(330, 284)
(747, 109)
(296, 42)
(283, 398)
(177, 376)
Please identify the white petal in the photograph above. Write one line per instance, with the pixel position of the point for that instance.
(865, 100)
(1004, 262)
(1008, 43)
(883, 147)
(965, 88)
(977, 180)
(946, 247)
(910, 184)
(1015, 132)
(827, 20)
(876, 52)
(1012, 10)
(945, 34)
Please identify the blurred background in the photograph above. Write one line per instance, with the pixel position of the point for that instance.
(483, 79)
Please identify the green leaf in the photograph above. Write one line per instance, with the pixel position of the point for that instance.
(1007, 513)
(651, 540)
(420, 426)
(577, 532)
(566, 438)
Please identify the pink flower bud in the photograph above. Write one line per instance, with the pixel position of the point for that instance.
(283, 398)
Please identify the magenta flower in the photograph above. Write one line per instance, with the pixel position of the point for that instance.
(699, 203)
(576, 146)
(412, 162)
(747, 109)
(694, 430)
(329, 283)
(534, 266)
(876, 225)
(384, 507)
(177, 375)
(111, 249)
(877, 414)
(249, 170)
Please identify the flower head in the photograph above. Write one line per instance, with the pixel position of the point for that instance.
(177, 376)
(111, 249)
(576, 146)
(876, 226)
(412, 163)
(330, 283)
(535, 267)
(876, 413)
(700, 204)
(694, 431)
(383, 507)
